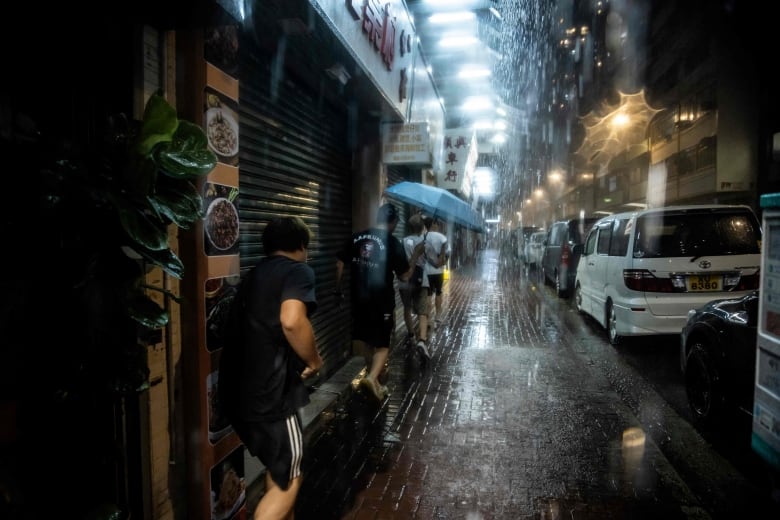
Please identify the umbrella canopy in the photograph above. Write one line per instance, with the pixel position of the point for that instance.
(438, 202)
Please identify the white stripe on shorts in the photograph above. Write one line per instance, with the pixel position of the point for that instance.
(296, 446)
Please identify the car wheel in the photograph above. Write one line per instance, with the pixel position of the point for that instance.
(702, 385)
(578, 297)
(614, 338)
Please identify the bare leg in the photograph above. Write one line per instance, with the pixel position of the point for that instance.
(277, 503)
(378, 362)
(409, 320)
(360, 348)
(423, 319)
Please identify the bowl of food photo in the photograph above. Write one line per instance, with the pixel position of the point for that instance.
(222, 131)
(221, 223)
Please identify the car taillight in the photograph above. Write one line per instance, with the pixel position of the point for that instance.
(644, 281)
(565, 254)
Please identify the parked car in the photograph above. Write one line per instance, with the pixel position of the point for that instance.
(642, 271)
(524, 233)
(718, 357)
(560, 258)
(535, 248)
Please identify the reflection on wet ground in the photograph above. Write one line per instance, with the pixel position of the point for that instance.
(513, 418)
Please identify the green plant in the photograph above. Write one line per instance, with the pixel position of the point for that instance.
(108, 210)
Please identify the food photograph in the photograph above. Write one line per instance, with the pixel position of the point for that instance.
(221, 127)
(221, 220)
(228, 488)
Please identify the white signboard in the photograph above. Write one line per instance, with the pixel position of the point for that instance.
(460, 160)
(406, 143)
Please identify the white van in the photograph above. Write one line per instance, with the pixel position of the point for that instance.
(641, 272)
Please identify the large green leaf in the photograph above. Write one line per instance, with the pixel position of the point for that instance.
(138, 225)
(187, 154)
(166, 259)
(180, 210)
(159, 124)
(180, 202)
(145, 311)
(189, 136)
(187, 163)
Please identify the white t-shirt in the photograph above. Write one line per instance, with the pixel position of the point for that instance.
(433, 242)
(410, 242)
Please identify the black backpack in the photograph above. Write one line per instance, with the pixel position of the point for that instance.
(233, 332)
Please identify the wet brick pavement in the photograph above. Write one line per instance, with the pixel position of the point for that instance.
(505, 422)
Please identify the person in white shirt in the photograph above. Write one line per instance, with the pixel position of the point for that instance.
(437, 254)
(414, 292)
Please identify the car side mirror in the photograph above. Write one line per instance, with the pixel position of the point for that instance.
(578, 249)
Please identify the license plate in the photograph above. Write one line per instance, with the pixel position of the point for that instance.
(704, 283)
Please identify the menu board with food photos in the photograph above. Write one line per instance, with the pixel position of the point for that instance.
(222, 492)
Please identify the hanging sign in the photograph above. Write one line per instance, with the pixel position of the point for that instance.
(406, 143)
(460, 160)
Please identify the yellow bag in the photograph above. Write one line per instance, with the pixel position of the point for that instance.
(446, 273)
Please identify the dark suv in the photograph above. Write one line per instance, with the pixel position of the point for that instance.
(559, 262)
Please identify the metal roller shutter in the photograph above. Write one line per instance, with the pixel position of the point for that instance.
(294, 161)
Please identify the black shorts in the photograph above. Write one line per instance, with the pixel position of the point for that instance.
(375, 327)
(277, 444)
(436, 281)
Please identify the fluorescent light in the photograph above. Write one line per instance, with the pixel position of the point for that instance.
(469, 72)
(482, 124)
(458, 41)
(448, 3)
(493, 220)
(452, 17)
(484, 180)
(477, 103)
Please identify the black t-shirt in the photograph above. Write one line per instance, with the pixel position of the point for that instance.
(270, 386)
(373, 256)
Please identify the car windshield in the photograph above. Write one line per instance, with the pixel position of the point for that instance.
(696, 234)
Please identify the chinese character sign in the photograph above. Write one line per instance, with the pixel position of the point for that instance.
(460, 159)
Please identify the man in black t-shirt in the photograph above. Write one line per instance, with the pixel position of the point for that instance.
(374, 256)
(261, 375)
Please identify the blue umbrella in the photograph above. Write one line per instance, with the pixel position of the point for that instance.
(437, 202)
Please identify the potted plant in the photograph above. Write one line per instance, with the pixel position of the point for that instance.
(107, 207)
